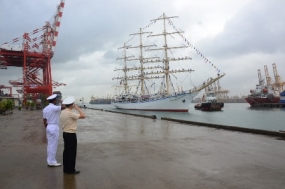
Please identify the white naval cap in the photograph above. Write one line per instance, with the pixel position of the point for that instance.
(52, 97)
(68, 100)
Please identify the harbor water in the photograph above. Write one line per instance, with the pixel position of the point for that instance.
(233, 114)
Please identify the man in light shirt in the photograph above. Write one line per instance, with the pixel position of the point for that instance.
(51, 115)
(68, 122)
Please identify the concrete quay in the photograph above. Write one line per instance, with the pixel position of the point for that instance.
(120, 151)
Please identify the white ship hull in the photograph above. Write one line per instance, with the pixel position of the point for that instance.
(177, 103)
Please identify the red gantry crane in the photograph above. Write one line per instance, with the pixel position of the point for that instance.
(34, 56)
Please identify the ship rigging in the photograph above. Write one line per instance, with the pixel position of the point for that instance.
(166, 98)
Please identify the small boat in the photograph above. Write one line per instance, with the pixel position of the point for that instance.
(209, 103)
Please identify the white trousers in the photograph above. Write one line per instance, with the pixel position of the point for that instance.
(52, 131)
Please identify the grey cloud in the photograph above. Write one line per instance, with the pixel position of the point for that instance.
(10, 74)
(110, 54)
(19, 17)
(86, 26)
(259, 27)
(99, 26)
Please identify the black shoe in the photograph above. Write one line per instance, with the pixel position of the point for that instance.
(74, 172)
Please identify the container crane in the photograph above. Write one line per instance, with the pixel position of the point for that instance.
(221, 93)
(269, 81)
(279, 83)
(34, 56)
(217, 89)
(18, 84)
(268, 78)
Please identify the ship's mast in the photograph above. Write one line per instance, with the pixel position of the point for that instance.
(125, 78)
(166, 57)
(161, 71)
(165, 48)
(141, 59)
(142, 69)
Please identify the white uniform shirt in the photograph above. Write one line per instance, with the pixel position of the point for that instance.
(52, 113)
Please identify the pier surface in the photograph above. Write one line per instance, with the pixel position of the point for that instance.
(124, 151)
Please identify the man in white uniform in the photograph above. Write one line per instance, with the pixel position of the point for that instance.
(51, 115)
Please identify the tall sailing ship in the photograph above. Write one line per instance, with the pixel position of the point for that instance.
(166, 98)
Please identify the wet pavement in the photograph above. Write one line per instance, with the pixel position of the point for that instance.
(123, 151)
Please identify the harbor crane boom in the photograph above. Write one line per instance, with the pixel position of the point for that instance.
(33, 55)
(279, 83)
(268, 78)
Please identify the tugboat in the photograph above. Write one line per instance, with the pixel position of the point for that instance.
(210, 103)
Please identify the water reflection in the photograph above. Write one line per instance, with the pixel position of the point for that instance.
(166, 129)
(142, 128)
(69, 181)
(52, 178)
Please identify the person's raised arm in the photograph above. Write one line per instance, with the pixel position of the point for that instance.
(82, 115)
(63, 107)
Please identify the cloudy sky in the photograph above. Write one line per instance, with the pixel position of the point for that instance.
(237, 36)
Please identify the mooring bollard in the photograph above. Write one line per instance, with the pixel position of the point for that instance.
(153, 116)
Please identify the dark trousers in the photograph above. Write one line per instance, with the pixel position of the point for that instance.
(69, 152)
